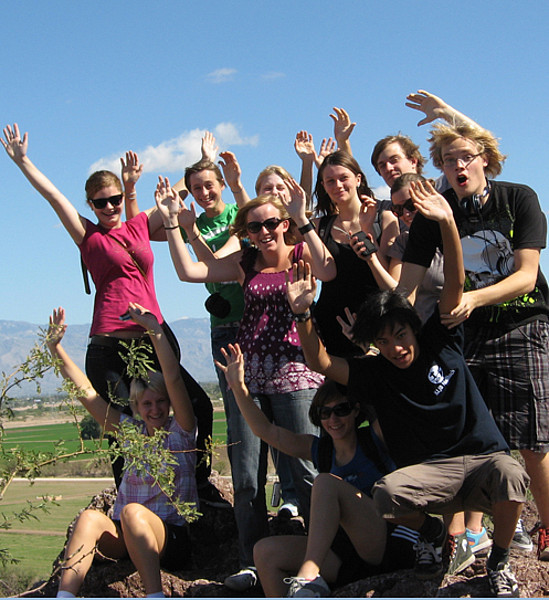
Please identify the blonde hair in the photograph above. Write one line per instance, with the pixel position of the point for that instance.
(239, 227)
(484, 140)
(271, 170)
(100, 180)
(155, 383)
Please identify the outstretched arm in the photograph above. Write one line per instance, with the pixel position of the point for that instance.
(225, 269)
(293, 444)
(433, 206)
(16, 147)
(232, 174)
(305, 149)
(342, 129)
(131, 172)
(300, 291)
(177, 391)
(435, 108)
(107, 416)
(326, 147)
(315, 252)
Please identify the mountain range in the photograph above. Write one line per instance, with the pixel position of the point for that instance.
(18, 337)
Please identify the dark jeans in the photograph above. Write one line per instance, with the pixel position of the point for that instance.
(107, 372)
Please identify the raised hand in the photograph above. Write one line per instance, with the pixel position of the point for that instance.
(187, 217)
(367, 214)
(57, 327)
(342, 125)
(301, 288)
(131, 169)
(327, 146)
(433, 106)
(346, 326)
(234, 367)
(304, 146)
(208, 147)
(15, 146)
(167, 201)
(429, 202)
(297, 204)
(231, 169)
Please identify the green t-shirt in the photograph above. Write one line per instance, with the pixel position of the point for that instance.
(215, 232)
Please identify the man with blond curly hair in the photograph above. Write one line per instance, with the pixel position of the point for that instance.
(504, 307)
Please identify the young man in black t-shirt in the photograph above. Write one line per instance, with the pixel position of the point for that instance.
(504, 308)
(450, 454)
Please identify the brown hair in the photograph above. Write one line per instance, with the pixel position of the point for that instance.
(239, 227)
(202, 165)
(411, 150)
(324, 206)
(330, 391)
(405, 179)
(271, 170)
(484, 140)
(100, 180)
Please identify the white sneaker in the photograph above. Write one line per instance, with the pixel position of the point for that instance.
(243, 580)
(288, 510)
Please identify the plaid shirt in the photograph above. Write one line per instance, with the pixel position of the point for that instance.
(142, 490)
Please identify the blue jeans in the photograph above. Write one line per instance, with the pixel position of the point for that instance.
(248, 454)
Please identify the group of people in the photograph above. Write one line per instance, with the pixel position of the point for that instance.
(395, 397)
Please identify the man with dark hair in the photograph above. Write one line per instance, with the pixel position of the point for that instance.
(450, 453)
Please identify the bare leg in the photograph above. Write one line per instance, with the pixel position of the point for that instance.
(455, 524)
(92, 528)
(537, 467)
(473, 519)
(145, 538)
(335, 502)
(279, 556)
(505, 515)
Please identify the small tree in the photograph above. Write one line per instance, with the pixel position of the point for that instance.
(89, 428)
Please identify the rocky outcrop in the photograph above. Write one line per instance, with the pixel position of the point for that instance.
(215, 555)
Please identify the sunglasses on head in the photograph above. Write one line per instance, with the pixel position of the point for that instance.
(343, 409)
(398, 209)
(269, 224)
(102, 202)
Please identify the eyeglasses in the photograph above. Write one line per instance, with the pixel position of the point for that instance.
(343, 409)
(269, 224)
(466, 160)
(100, 203)
(398, 209)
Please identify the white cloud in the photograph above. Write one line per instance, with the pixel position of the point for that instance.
(382, 192)
(273, 75)
(221, 75)
(175, 154)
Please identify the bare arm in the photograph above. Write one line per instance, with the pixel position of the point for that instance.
(232, 174)
(177, 391)
(293, 444)
(17, 147)
(435, 108)
(315, 252)
(224, 269)
(305, 149)
(342, 129)
(107, 416)
(301, 293)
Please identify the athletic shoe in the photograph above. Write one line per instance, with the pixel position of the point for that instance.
(428, 563)
(307, 588)
(288, 510)
(521, 540)
(210, 495)
(478, 541)
(502, 582)
(243, 580)
(459, 553)
(543, 544)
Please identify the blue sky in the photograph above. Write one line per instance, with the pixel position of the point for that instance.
(89, 81)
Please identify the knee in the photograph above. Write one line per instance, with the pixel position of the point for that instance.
(324, 483)
(534, 459)
(132, 514)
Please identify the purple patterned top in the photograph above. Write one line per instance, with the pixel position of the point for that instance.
(273, 358)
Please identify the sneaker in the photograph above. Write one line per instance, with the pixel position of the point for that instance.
(307, 588)
(459, 553)
(478, 541)
(210, 495)
(502, 582)
(428, 563)
(543, 544)
(288, 510)
(243, 580)
(521, 540)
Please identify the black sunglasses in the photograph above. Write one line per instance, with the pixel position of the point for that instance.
(398, 209)
(269, 224)
(100, 203)
(343, 409)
